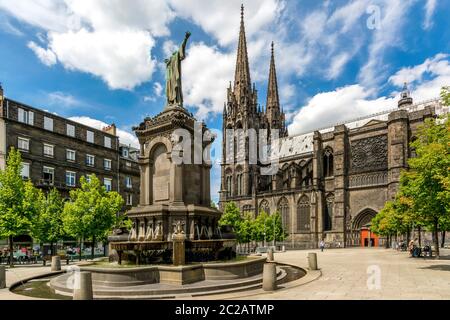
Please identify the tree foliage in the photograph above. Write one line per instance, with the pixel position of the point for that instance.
(92, 211)
(48, 226)
(19, 201)
(247, 228)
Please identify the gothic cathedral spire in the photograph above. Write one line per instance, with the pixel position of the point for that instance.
(242, 81)
(273, 101)
(275, 116)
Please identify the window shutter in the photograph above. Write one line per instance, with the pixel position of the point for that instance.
(31, 118)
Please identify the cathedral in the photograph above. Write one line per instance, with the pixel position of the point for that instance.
(331, 182)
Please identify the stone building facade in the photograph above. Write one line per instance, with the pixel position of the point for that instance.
(57, 152)
(331, 182)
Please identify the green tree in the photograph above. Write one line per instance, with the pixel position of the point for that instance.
(426, 183)
(47, 226)
(275, 231)
(19, 201)
(92, 211)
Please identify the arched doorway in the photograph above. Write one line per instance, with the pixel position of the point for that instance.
(361, 233)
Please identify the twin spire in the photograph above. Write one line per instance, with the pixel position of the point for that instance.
(242, 80)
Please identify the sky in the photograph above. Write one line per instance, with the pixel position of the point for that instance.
(102, 61)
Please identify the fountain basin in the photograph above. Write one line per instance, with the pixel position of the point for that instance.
(165, 274)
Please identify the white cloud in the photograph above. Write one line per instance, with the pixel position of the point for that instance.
(62, 99)
(7, 27)
(120, 58)
(158, 88)
(101, 37)
(329, 108)
(343, 104)
(425, 79)
(47, 56)
(221, 19)
(207, 73)
(169, 47)
(337, 64)
(386, 35)
(430, 7)
(437, 65)
(124, 136)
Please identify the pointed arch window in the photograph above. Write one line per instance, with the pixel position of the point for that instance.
(264, 206)
(303, 214)
(283, 209)
(328, 165)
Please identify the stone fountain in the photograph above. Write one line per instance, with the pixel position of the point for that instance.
(175, 202)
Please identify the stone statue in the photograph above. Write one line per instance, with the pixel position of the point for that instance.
(174, 90)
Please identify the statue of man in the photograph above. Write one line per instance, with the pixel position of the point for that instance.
(174, 91)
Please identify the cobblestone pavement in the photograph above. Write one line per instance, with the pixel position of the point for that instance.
(346, 274)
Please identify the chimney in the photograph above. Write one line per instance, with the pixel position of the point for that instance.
(112, 129)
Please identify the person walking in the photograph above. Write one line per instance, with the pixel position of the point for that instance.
(322, 245)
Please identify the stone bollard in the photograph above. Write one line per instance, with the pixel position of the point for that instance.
(56, 263)
(270, 277)
(82, 289)
(2, 277)
(312, 261)
(270, 255)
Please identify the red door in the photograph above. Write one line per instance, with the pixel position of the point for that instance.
(368, 237)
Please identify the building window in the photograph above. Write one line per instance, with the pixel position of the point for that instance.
(125, 152)
(71, 178)
(129, 199)
(90, 160)
(25, 173)
(25, 116)
(107, 164)
(328, 221)
(303, 214)
(90, 136)
(264, 207)
(283, 209)
(48, 123)
(88, 178)
(23, 144)
(229, 182)
(107, 142)
(247, 209)
(108, 184)
(128, 182)
(70, 155)
(328, 163)
(128, 164)
(49, 150)
(70, 129)
(48, 176)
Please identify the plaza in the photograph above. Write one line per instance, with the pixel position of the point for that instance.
(343, 275)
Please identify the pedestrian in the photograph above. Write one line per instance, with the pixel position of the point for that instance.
(322, 245)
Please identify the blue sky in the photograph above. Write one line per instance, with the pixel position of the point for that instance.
(101, 61)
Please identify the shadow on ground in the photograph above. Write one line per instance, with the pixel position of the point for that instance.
(441, 267)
